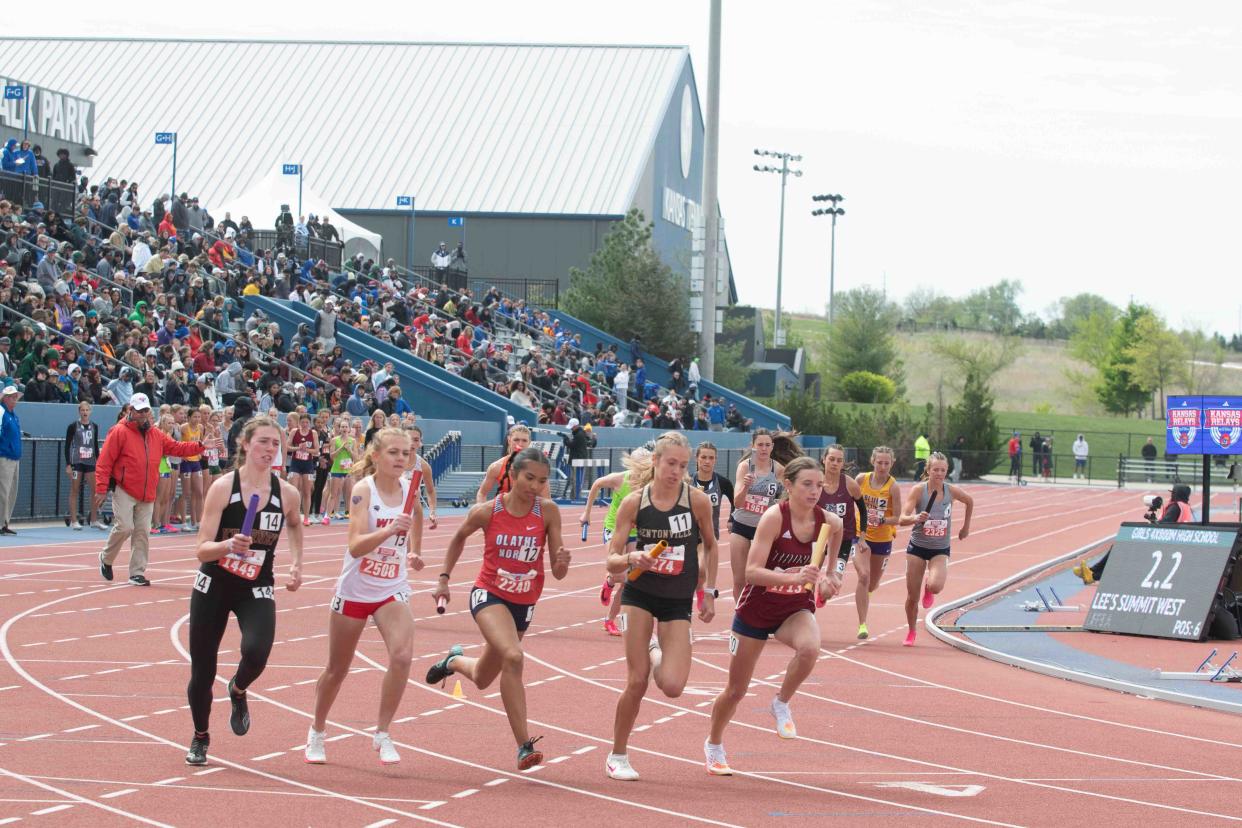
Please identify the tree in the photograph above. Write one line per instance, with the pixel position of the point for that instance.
(984, 358)
(1073, 311)
(1205, 357)
(993, 308)
(973, 418)
(1119, 390)
(628, 290)
(1091, 337)
(861, 338)
(1159, 356)
(924, 308)
(864, 386)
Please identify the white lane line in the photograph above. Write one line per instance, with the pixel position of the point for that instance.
(9, 820)
(80, 729)
(121, 792)
(134, 718)
(35, 737)
(338, 738)
(502, 780)
(383, 823)
(467, 792)
(556, 760)
(10, 687)
(268, 756)
(169, 780)
(430, 805)
(209, 770)
(583, 750)
(51, 810)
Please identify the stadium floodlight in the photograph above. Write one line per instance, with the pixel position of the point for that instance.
(833, 211)
(786, 158)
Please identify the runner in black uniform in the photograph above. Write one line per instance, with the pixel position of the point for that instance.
(714, 485)
(236, 576)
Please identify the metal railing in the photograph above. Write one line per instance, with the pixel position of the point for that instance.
(445, 455)
(56, 196)
(1173, 470)
(43, 488)
(333, 253)
(542, 292)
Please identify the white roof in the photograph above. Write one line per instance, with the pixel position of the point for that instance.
(463, 127)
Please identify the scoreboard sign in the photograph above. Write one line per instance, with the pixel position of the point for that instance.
(1204, 425)
(1161, 580)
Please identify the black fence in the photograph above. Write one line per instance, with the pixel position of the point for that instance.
(544, 293)
(331, 252)
(26, 190)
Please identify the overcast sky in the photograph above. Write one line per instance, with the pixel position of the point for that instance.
(1073, 146)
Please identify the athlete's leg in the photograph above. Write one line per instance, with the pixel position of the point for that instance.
(879, 564)
(937, 573)
(343, 635)
(196, 494)
(396, 627)
(916, 567)
(614, 608)
(799, 632)
(739, 549)
(501, 654)
(636, 633)
(862, 590)
(673, 668)
(75, 486)
(746, 651)
(257, 619)
(209, 616)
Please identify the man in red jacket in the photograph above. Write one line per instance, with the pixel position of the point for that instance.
(131, 457)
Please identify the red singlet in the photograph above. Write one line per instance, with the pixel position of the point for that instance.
(513, 554)
(768, 607)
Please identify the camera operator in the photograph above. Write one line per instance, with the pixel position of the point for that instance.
(284, 229)
(1177, 510)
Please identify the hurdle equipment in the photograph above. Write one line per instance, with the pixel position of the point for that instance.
(1044, 605)
(1206, 671)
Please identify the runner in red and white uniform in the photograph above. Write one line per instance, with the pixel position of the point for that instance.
(517, 526)
(373, 584)
(304, 448)
(776, 602)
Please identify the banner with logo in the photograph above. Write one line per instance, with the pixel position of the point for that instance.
(1203, 425)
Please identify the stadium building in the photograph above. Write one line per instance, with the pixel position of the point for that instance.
(527, 154)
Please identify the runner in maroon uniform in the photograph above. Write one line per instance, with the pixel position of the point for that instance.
(842, 496)
(776, 602)
(517, 526)
(303, 448)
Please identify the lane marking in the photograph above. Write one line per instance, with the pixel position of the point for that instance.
(115, 794)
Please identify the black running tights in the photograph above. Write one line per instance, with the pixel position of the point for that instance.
(209, 617)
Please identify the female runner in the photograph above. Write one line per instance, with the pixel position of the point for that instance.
(500, 472)
(758, 485)
(882, 496)
(303, 448)
(928, 551)
(663, 507)
(373, 584)
(717, 487)
(516, 526)
(161, 521)
(236, 576)
(417, 463)
(842, 496)
(192, 469)
(776, 602)
(342, 462)
(619, 484)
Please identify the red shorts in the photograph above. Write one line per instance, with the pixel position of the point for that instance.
(364, 609)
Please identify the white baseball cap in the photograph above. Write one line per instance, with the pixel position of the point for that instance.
(573, 422)
(139, 402)
(9, 391)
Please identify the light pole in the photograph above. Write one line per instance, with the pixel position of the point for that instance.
(778, 336)
(833, 211)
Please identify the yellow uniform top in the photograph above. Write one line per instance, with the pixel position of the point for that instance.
(879, 506)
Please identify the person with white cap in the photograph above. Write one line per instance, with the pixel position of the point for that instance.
(10, 455)
(130, 459)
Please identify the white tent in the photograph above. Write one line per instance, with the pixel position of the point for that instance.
(261, 204)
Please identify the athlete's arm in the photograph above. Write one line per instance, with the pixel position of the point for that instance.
(960, 494)
(757, 572)
(726, 489)
(909, 513)
(291, 499)
(208, 548)
(429, 482)
(362, 542)
(556, 547)
(610, 481)
(829, 578)
(743, 476)
(489, 480)
(476, 519)
(709, 552)
(618, 559)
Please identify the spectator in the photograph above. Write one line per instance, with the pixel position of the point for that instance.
(715, 413)
(1081, 453)
(695, 378)
(130, 460)
(1149, 459)
(621, 382)
(578, 442)
(17, 159)
(10, 456)
(42, 168)
(327, 324)
(326, 231)
(922, 450)
(1037, 453)
(41, 389)
(1015, 457)
(64, 169)
(957, 454)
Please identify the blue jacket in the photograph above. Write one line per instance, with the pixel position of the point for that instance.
(10, 436)
(8, 160)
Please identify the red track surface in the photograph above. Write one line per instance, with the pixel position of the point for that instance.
(93, 723)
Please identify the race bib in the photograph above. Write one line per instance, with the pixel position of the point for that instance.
(671, 561)
(935, 528)
(839, 509)
(756, 503)
(86, 452)
(213, 457)
(301, 454)
(247, 567)
(787, 589)
(383, 563)
(347, 463)
(876, 513)
(263, 592)
(515, 583)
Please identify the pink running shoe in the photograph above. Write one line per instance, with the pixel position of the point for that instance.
(611, 628)
(169, 529)
(326, 520)
(909, 642)
(605, 592)
(928, 598)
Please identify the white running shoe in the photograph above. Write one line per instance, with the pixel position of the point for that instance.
(784, 720)
(99, 524)
(75, 526)
(618, 767)
(717, 764)
(315, 753)
(383, 743)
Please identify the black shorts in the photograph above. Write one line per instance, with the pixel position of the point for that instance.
(740, 627)
(926, 554)
(522, 613)
(82, 468)
(741, 529)
(661, 609)
(301, 467)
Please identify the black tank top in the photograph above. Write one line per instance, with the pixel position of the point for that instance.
(712, 489)
(265, 534)
(676, 574)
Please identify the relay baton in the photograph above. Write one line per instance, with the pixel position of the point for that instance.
(585, 527)
(931, 501)
(251, 510)
(440, 603)
(411, 497)
(817, 552)
(655, 552)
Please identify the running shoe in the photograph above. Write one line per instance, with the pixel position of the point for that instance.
(928, 597)
(75, 526)
(169, 529)
(655, 653)
(387, 753)
(306, 521)
(605, 592)
(784, 719)
(717, 764)
(197, 754)
(138, 580)
(909, 642)
(528, 756)
(105, 570)
(99, 524)
(326, 520)
(316, 754)
(862, 632)
(157, 530)
(239, 720)
(440, 671)
(618, 767)
(610, 627)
